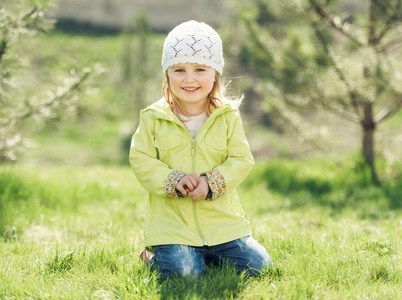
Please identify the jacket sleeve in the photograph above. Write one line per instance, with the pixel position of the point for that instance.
(239, 160)
(153, 174)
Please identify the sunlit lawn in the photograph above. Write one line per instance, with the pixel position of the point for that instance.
(75, 233)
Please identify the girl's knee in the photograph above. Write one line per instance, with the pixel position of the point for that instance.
(258, 264)
(259, 258)
(173, 260)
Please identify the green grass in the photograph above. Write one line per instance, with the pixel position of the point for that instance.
(75, 233)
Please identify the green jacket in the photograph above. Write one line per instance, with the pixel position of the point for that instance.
(162, 145)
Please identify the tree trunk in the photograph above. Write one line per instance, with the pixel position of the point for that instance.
(368, 123)
(369, 126)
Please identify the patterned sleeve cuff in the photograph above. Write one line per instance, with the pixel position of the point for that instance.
(171, 182)
(216, 183)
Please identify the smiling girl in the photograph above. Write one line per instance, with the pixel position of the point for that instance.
(190, 152)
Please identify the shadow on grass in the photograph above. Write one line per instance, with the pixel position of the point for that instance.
(209, 287)
(216, 283)
(337, 188)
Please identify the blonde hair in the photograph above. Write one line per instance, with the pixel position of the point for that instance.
(216, 97)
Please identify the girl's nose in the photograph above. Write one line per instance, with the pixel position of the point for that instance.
(190, 76)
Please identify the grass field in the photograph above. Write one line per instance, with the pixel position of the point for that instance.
(75, 233)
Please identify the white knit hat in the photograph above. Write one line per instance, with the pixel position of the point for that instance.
(193, 42)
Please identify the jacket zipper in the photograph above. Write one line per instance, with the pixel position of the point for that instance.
(193, 153)
(195, 206)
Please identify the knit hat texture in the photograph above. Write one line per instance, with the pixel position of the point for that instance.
(193, 42)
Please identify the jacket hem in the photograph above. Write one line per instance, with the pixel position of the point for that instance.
(195, 244)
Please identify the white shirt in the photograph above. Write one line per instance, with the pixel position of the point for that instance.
(194, 123)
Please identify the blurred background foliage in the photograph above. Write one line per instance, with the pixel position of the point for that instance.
(28, 105)
(311, 56)
(71, 93)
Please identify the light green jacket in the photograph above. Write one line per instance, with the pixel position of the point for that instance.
(162, 145)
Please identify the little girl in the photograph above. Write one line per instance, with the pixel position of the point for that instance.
(190, 152)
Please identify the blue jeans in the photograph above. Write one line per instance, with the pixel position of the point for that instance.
(245, 253)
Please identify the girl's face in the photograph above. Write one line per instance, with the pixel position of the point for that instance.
(191, 84)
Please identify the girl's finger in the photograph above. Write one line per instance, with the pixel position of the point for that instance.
(194, 181)
(188, 185)
(182, 190)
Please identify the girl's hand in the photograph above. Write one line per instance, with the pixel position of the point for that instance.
(201, 191)
(187, 184)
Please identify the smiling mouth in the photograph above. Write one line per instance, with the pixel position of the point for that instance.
(190, 89)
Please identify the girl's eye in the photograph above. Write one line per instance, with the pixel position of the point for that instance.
(179, 70)
(200, 70)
